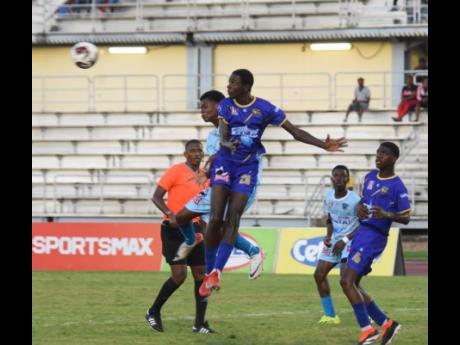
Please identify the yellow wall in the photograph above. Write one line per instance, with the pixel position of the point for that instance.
(415, 54)
(299, 58)
(159, 60)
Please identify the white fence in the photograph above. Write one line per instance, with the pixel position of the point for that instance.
(302, 91)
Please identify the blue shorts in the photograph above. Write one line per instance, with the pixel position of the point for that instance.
(357, 106)
(367, 245)
(327, 255)
(238, 177)
(201, 203)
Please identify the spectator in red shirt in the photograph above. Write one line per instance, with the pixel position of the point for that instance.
(408, 99)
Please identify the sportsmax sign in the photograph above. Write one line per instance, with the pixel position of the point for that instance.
(96, 246)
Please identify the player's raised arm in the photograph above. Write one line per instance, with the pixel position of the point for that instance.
(305, 137)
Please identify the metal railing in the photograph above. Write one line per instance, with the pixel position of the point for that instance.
(175, 92)
(195, 13)
(87, 186)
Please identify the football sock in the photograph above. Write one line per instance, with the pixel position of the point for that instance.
(376, 314)
(361, 315)
(224, 252)
(166, 291)
(210, 258)
(189, 233)
(243, 244)
(201, 304)
(328, 306)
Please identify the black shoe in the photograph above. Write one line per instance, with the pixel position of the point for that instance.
(389, 332)
(154, 321)
(205, 329)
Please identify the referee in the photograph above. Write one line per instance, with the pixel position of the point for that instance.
(180, 183)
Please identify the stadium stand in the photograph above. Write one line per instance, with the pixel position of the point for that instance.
(99, 142)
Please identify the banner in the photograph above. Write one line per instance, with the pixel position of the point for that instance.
(265, 238)
(96, 246)
(300, 247)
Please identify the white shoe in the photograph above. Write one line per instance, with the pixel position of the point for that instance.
(256, 262)
(184, 249)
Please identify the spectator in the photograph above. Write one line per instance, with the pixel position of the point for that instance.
(422, 98)
(408, 99)
(361, 100)
(83, 4)
(113, 2)
(63, 10)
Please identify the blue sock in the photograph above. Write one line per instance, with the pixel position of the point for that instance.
(223, 254)
(210, 258)
(376, 314)
(361, 314)
(189, 233)
(328, 306)
(243, 244)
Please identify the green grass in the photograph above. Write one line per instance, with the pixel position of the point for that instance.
(416, 255)
(90, 308)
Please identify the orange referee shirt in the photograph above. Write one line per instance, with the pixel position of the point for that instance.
(179, 182)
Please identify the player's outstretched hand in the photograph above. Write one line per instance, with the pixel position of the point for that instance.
(333, 145)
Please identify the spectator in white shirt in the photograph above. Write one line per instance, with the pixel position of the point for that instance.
(361, 101)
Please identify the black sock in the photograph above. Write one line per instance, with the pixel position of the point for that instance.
(201, 304)
(166, 291)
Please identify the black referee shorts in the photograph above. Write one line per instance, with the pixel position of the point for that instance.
(172, 238)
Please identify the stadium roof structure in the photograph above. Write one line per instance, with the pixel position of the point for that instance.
(416, 31)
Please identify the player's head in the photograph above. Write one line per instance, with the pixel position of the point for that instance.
(387, 155)
(361, 81)
(194, 152)
(240, 82)
(340, 177)
(208, 104)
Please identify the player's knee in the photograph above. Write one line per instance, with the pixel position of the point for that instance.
(345, 283)
(319, 276)
(179, 277)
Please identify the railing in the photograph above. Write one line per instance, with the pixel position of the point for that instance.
(100, 93)
(313, 207)
(314, 91)
(195, 13)
(87, 186)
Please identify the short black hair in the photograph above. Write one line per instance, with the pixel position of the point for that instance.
(212, 95)
(341, 167)
(246, 77)
(392, 147)
(190, 142)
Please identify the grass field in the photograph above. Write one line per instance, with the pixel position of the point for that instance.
(416, 255)
(90, 308)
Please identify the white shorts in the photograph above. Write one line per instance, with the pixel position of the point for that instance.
(327, 255)
(201, 203)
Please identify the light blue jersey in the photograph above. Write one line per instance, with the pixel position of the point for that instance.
(201, 203)
(343, 211)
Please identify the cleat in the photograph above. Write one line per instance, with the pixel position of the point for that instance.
(389, 329)
(154, 321)
(330, 320)
(368, 337)
(204, 291)
(204, 329)
(256, 262)
(184, 249)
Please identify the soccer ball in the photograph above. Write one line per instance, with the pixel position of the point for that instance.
(84, 54)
